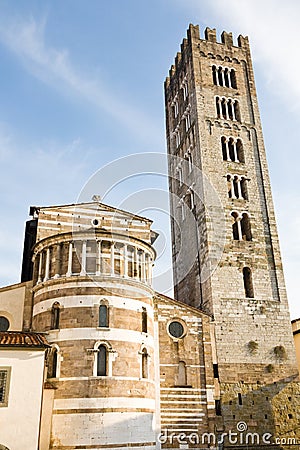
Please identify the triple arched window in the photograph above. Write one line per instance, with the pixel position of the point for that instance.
(227, 109)
(232, 149)
(237, 187)
(223, 76)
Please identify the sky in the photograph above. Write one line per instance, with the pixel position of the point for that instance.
(82, 86)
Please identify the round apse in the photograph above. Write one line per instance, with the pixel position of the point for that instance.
(4, 323)
(176, 329)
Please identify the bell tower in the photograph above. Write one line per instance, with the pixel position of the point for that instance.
(226, 256)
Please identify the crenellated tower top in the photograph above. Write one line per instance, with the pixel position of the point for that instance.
(208, 45)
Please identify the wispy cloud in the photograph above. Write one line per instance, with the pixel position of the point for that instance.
(273, 29)
(26, 39)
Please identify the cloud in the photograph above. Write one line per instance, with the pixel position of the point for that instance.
(26, 39)
(272, 26)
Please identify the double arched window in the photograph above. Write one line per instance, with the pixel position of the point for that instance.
(241, 228)
(228, 109)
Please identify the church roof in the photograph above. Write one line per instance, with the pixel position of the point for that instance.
(22, 339)
(89, 205)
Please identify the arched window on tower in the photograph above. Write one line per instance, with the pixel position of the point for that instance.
(102, 361)
(103, 316)
(233, 79)
(226, 77)
(214, 74)
(224, 148)
(55, 316)
(237, 113)
(244, 189)
(248, 284)
(246, 228)
(220, 79)
(240, 151)
(236, 231)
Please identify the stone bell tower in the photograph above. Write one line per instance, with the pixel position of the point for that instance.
(226, 254)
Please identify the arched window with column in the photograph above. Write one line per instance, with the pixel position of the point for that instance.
(241, 228)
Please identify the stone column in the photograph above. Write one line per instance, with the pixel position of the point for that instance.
(232, 187)
(58, 261)
(223, 77)
(125, 260)
(112, 258)
(135, 264)
(235, 151)
(233, 111)
(238, 181)
(83, 259)
(98, 257)
(143, 266)
(47, 266)
(227, 150)
(69, 271)
(40, 267)
(238, 221)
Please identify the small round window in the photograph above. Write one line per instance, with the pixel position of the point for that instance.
(176, 329)
(4, 323)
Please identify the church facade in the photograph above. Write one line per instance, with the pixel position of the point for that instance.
(111, 364)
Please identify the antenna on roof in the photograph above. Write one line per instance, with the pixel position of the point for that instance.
(96, 198)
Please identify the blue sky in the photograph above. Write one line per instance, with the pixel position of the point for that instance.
(82, 85)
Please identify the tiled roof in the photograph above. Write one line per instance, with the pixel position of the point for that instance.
(22, 339)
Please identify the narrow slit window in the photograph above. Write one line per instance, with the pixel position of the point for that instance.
(248, 284)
